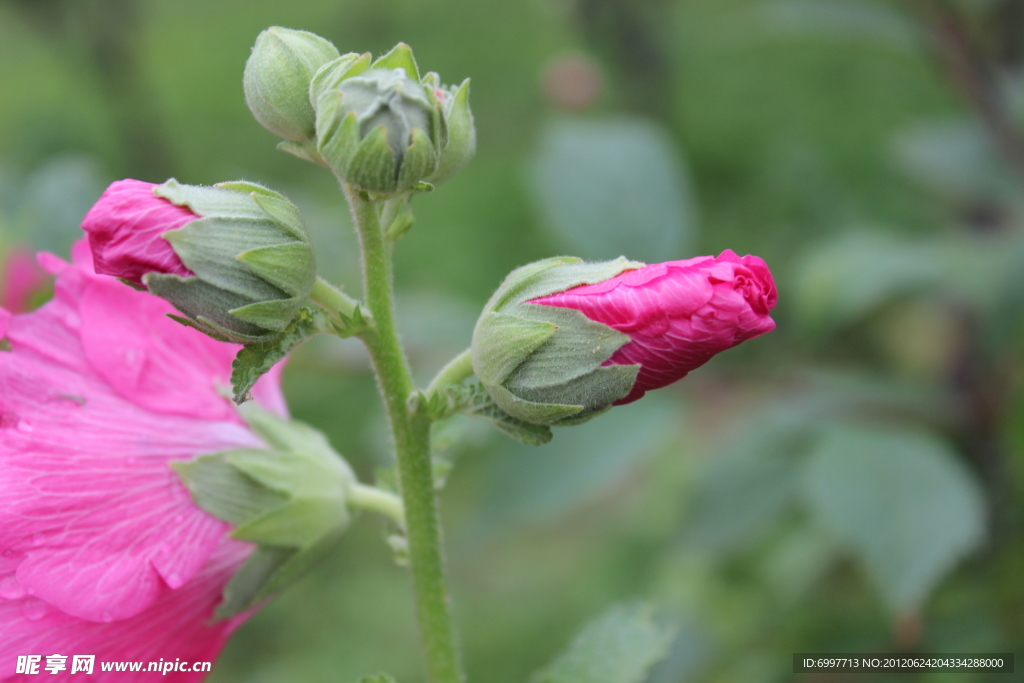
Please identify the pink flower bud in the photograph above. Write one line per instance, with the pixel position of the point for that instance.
(677, 314)
(126, 227)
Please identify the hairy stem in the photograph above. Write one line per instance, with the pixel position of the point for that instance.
(333, 299)
(372, 498)
(411, 434)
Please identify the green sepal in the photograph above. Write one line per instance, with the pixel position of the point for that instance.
(337, 132)
(285, 214)
(224, 491)
(251, 258)
(273, 315)
(289, 266)
(501, 342)
(557, 379)
(400, 57)
(331, 74)
(474, 401)
(290, 501)
(210, 332)
(531, 411)
(547, 277)
(223, 202)
(419, 161)
(373, 165)
(207, 305)
(247, 588)
(256, 359)
(461, 136)
(268, 571)
(578, 346)
(315, 504)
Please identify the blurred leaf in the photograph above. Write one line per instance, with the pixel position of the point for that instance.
(901, 499)
(847, 278)
(534, 484)
(954, 157)
(614, 188)
(689, 654)
(379, 678)
(749, 485)
(858, 19)
(620, 647)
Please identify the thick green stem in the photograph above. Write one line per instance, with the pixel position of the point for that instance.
(411, 433)
(457, 370)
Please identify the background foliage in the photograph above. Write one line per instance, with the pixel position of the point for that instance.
(851, 482)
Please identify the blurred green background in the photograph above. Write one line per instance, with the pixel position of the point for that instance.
(851, 482)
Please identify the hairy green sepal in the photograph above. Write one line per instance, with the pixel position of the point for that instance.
(542, 365)
(251, 256)
(289, 500)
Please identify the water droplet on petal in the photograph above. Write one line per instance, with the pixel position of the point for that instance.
(34, 611)
(164, 549)
(24, 427)
(178, 519)
(30, 590)
(174, 580)
(9, 552)
(10, 589)
(106, 617)
(37, 539)
(130, 460)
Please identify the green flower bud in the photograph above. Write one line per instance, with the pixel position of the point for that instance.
(380, 129)
(277, 78)
(249, 256)
(543, 364)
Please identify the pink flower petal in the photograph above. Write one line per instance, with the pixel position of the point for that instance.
(677, 314)
(126, 227)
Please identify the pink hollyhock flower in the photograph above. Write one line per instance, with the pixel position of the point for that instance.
(126, 227)
(102, 550)
(677, 314)
(20, 279)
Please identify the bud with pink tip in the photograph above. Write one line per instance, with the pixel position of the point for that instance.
(562, 340)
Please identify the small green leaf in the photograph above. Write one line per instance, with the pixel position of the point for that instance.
(902, 500)
(620, 647)
(256, 359)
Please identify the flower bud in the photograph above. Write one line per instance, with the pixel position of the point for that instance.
(383, 129)
(277, 77)
(234, 258)
(562, 340)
